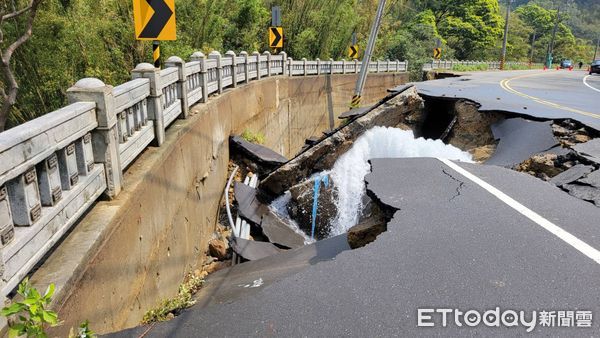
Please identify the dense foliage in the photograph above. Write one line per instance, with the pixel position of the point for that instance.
(79, 38)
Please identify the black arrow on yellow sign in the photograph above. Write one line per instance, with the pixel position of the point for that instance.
(353, 52)
(437, 53)
(162, 14)
(276, 37)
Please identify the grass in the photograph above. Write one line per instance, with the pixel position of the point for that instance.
(170, 307)
(251, 137)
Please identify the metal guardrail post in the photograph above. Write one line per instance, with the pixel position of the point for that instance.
(182, 86)
(217, 56)
(200, 57)
(105, 142)
(155, 105)
(231, 54)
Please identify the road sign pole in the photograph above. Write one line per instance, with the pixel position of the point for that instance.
(505, 40)
(156, 53)
(549, 58)
(596, 50)
(362, 79)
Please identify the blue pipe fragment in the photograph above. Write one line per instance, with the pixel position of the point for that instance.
(318, 180)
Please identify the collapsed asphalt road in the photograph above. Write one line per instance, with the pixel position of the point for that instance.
(463, 237)
(547, 94)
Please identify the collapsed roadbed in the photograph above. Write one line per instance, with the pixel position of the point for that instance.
(413, 208)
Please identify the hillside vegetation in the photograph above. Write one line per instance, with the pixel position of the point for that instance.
(94, 38)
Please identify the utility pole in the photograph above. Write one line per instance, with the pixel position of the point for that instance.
(505, 41)
(364, 70)
(549, 56)
(532, 49)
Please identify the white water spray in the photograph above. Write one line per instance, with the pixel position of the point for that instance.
(349, 171)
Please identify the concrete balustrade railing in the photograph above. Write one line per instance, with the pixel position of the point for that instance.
(53, 168)
(494, 65)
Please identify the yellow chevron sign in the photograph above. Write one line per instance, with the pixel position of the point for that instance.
(276, 37)
(154, 19)
(437, 53)
(353, 52)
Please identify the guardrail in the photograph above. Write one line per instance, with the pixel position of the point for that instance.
(495, 65)
(53, 168)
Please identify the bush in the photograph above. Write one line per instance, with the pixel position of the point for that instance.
(471, 68)
(251, 137)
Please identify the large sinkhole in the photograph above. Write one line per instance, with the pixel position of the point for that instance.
(331, 202)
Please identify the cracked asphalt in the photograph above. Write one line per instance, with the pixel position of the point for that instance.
(547, 94)
(470, 250)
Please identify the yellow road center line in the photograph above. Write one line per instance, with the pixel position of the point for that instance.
(505, 84)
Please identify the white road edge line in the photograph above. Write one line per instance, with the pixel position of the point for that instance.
(557, 231)
(589, 85)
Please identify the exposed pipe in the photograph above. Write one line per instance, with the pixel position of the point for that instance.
(231, 224)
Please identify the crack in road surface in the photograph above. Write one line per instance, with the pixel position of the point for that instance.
(460, 184)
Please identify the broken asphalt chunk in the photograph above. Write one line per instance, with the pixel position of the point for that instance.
(571, 175)
(252, 250)
(280, 232)
(249, 207)
(260, 158)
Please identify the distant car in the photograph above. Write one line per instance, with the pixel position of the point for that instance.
(566, 64)
(595, 67)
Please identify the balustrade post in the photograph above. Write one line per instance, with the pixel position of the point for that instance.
(256, 56)
(215, 55)
(330, 66)
(231, 54)
(318, 66)
(244, 54)
(105, 143)
(200, 57)
(268, 54)
(304, 66)
(284, 64)
(355, 66)
(155, 100)
(290, 63)
(182, 84)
